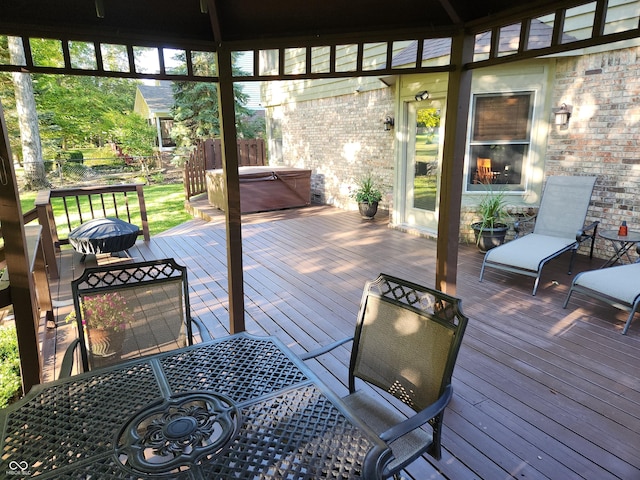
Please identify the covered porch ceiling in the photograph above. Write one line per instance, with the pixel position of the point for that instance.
(226, 26)
(275, 27)
(212, 22)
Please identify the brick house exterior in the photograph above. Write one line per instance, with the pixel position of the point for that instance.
(603, 138)
(346, 140)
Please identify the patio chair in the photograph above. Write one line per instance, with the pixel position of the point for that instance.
(618, 286)
(130, 310)
(559, 227)
(406, 343)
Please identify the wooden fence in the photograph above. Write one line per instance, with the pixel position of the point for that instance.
(208, 156)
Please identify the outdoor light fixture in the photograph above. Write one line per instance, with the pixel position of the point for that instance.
(420, 96)
(388, 123)
(562, 114)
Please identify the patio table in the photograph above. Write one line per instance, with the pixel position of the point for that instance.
(238, 407)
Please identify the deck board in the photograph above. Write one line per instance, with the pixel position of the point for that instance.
(541, 392)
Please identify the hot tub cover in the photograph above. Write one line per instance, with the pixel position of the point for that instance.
(103, 235)
(263, 188)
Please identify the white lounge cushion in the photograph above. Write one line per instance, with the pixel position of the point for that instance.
(527, 252)
(621, 282)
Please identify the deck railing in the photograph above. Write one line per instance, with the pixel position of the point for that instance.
(79, 205)
(38, 268)
(5, 290)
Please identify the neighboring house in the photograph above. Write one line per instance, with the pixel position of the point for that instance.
(336, 127)
(155, 103)
(244, 62)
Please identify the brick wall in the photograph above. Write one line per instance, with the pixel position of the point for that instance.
(603, 135)
(341, 139)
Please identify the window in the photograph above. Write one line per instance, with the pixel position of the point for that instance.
(166, 125)
(500, 140)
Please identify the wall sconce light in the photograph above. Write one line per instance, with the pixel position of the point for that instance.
(388, 123)
(562, 114)
(420, 96)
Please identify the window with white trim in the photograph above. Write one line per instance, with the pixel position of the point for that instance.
(500, 140)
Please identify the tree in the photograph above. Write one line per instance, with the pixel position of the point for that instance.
(196, 114)
(83, 110)
(132, 133)
(35, 174)
(428, 117)
(78, 111)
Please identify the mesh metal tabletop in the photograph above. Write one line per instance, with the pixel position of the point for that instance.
(242, 407)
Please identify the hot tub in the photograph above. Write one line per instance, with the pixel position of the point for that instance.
(263, 188)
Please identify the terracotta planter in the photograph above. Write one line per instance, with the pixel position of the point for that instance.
(105, 346)
(488, 238)
(368, 210)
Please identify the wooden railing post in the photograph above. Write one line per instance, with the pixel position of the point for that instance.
(49, 231)
(143, 212)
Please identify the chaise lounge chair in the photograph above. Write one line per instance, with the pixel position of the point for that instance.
(618, 286)
(559, 227)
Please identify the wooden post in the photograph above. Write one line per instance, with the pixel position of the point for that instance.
(23, 296)
(49, 232)
(455, 141)
(143, 212)
(226, 105)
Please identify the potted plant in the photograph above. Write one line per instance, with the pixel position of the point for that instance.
(367, 195)
(105, 317)
(491, 230)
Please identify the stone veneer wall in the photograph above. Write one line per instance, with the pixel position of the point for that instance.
(341, 139)
(603, 135)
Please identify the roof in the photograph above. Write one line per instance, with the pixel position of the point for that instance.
(159, 98)
(540, 36)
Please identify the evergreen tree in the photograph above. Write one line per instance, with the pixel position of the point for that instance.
(196, 113)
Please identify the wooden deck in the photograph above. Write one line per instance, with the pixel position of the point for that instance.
(540, 392)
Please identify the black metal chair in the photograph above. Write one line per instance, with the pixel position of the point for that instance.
(406, 344)
(130, 310)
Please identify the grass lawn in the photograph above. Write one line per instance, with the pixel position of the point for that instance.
(10, 384)
(424, 192)
(165, 206)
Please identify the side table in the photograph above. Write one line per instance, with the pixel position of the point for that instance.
(621, 245)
